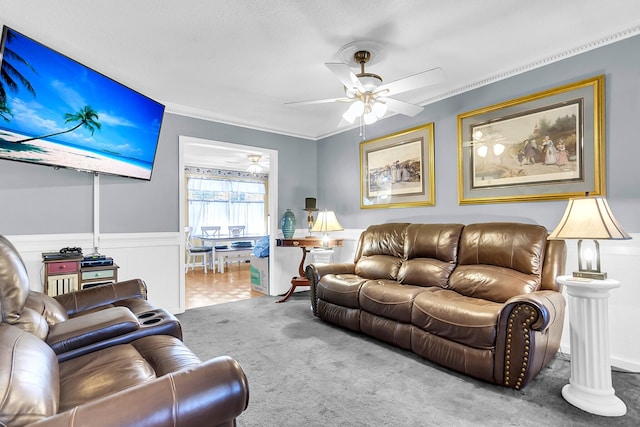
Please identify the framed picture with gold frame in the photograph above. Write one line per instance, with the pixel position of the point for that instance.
(545, 146)
(397, 170)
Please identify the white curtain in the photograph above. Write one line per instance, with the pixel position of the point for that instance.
(225, 203)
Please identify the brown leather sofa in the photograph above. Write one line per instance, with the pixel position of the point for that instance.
(480, 299)
(79, 322)
(152, 381)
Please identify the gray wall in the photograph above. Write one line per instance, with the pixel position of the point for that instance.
(41, 200)
(620, 64)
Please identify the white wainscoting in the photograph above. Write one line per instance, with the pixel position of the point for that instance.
(156, 258)
(153, 257)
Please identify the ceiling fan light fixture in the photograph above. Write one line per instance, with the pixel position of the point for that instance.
(355, 110)
(370, 118)
(379, 109)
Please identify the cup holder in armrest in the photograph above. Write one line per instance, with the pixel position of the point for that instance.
(146, 314)
(152, 321)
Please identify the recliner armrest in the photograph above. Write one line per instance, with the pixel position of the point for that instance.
(314, 273)
(91, 328)
(87, 299)
(213, 393)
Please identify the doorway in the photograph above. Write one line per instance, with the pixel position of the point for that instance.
(225, 156)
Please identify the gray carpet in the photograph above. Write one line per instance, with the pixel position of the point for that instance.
(305, 372)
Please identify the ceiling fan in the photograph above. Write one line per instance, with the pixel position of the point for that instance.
(370, 99)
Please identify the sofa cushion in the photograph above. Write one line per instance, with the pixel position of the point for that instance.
(497, 261)
(492, 283)
(520, 247)
(340, 289)
(166, 353)
(28, 378)
(389, 299)
(466, 320)
(425, 272)
(437, 241)
(32, 322)
(52, 311)
(382, 239)
(431, 252)
(101, 373)
(378, 267)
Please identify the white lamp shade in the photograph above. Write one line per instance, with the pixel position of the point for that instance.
(355, 110)
(588, 218)
(326, 222)
(379, 109)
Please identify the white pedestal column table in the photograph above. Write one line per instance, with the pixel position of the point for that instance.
(590, 387)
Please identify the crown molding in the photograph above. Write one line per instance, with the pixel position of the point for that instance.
(537, 64)
(210, 116)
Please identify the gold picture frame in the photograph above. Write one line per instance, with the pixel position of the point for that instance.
(545, 146)
(397, 170)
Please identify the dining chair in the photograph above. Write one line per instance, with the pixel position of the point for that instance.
(236, 230)
(193, 252)
(211, 230)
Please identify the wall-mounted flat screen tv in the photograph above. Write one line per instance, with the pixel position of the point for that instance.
(57, 112)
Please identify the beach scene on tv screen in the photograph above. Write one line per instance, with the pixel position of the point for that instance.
(58, 112)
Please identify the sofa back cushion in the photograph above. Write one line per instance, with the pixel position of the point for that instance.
(497, 261)
(48, 307)
(14, 282)
(29, 378)
(380, 251)
(430, 253)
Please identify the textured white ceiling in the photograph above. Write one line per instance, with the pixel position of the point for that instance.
(240, 61)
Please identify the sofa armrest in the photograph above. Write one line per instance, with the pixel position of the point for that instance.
(314, 273)
(529, 332)
(213, 393)
(87, 299)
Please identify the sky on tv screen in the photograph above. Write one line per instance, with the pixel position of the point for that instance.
(129, 121)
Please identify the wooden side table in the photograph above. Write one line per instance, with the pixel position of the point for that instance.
(306, 244)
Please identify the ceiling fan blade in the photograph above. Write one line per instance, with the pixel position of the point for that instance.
(345, 75)
(402, 107)
(319, 101)
(426, 78)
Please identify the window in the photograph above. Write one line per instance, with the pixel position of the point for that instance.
(227, 201)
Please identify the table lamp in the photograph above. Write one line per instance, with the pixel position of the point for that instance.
(590, 385)
(589, 218)
(325, 223)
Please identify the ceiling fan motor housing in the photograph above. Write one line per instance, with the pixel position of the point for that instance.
(370, 81)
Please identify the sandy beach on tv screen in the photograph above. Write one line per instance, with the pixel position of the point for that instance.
(69, 157)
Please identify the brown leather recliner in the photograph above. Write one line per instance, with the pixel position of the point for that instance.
(83, 321)
(151, 381)
(480, 299)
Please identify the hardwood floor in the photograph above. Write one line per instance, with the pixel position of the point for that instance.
(217, 288)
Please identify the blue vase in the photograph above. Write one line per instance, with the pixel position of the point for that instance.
(288, 224)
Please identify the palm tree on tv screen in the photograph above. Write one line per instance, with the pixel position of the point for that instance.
(87, 118)
(10, 77)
